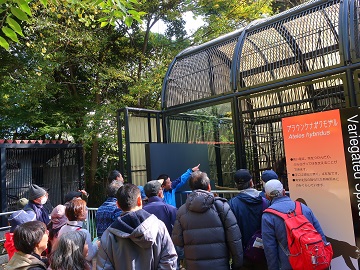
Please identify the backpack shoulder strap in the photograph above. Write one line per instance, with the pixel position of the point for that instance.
(276, 213)
(297, 211)
(298, 208)
(288, 215)
(28, 208)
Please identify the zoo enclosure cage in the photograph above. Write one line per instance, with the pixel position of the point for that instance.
(55, 165)
(139, 127)
(301, 61)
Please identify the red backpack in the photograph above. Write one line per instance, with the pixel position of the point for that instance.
(307, 250)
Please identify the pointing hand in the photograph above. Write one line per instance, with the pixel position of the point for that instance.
(196, 168)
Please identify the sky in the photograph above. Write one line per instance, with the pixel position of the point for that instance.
(191, 24)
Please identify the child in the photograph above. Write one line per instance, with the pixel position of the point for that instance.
(58, 219)
(16, 218)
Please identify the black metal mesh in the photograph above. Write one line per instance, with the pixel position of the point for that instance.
(297, 42)
(261, 117)
(292, 46)
(357, 85)
(212, 126)
(57, 170)
(201, 75)
(286, 66)
(356, 24)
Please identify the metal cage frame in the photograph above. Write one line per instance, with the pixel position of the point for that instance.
(304, 60)
(55, 165)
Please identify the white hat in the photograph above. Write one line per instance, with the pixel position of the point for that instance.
(161, 181)
(273, 188)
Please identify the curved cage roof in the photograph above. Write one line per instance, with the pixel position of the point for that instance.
(314, 37)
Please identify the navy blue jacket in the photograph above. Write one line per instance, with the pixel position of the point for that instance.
(163, 211)
(248, 211)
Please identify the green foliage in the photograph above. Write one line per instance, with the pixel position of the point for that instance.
(15, 14)
(78, 62)
(280, 6)
(224, 16)
(4, 43)
(67, 80)
(14, 25)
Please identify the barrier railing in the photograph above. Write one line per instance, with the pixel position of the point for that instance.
(4, 229)
(91, 224)
(227, 194)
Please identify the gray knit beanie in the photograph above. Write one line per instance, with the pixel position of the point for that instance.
(36, 192)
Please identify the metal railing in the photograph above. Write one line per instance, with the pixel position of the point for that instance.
(227, 194)
(4, 229)
(90, 221)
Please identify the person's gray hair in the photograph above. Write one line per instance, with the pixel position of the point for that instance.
(113, 187)
(199, 180)
(275, 194)
(69, 251)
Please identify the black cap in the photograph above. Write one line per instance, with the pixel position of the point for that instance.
(71, 195)
(242, 176)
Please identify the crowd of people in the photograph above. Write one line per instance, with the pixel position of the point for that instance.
(142, 228)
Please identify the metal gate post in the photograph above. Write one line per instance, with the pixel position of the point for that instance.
(3, 198)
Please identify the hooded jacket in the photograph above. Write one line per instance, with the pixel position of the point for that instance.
(136, 240)
(247, 207)
(22, 261)
(207, 238)
(41, 212)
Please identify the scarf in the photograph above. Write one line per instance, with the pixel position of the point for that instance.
(40, 212)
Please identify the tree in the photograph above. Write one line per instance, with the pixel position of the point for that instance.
(282, 5)
(224, 16)
(67, 80)
(14, 14)
(67, 77)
